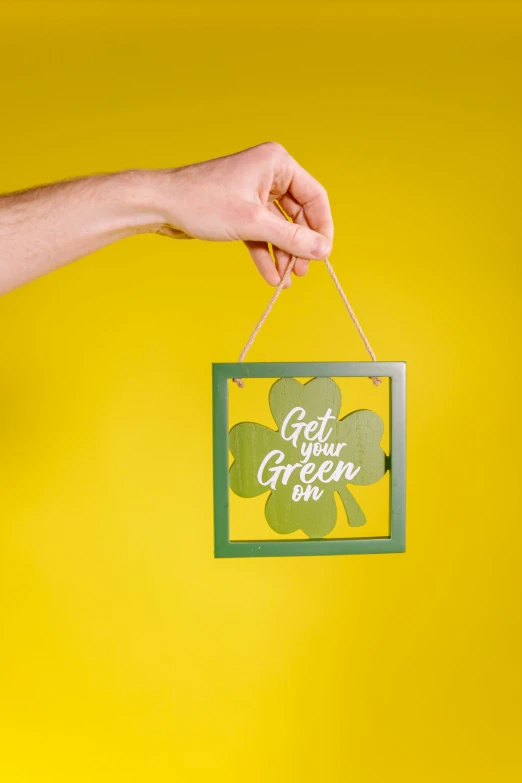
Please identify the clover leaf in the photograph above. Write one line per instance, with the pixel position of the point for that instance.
(310, 456)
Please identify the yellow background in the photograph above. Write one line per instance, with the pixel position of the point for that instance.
(128, 653)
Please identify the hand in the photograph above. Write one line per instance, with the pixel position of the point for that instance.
(234, 197)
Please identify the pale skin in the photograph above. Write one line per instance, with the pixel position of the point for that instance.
(231, 198)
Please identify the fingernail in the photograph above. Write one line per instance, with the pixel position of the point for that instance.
(321, 248)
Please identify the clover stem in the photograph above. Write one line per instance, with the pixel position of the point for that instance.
(353, 510)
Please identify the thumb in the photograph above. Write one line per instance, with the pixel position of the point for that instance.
(295, 239)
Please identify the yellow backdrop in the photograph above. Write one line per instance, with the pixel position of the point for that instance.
(128, 653)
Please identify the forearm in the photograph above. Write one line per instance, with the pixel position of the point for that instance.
(47, 227)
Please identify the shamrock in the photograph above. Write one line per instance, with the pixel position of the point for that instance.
(312, 455)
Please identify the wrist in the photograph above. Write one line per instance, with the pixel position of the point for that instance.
(135, 199)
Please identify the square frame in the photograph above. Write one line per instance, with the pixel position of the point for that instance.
(395, 542)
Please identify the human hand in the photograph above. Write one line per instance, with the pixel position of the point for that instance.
(234, 197)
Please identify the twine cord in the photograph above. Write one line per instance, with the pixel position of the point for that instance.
(376, 381)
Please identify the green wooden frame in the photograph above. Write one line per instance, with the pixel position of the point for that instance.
(395, 542)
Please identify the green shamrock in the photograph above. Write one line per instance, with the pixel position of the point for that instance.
(312, 455)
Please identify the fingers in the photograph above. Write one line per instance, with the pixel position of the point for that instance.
(265, 264)
(309, 232)
(295, 211)
(307, 193)
(293, 238)
(291, 178)
(282, 259)
(263, 261)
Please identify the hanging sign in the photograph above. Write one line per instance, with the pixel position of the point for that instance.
(306, 458)
(310, 455)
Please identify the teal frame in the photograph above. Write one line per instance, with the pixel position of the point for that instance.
(395, 542)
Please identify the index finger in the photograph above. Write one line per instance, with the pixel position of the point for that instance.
(312, 196)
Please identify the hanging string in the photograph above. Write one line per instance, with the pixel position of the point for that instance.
(376, 381)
